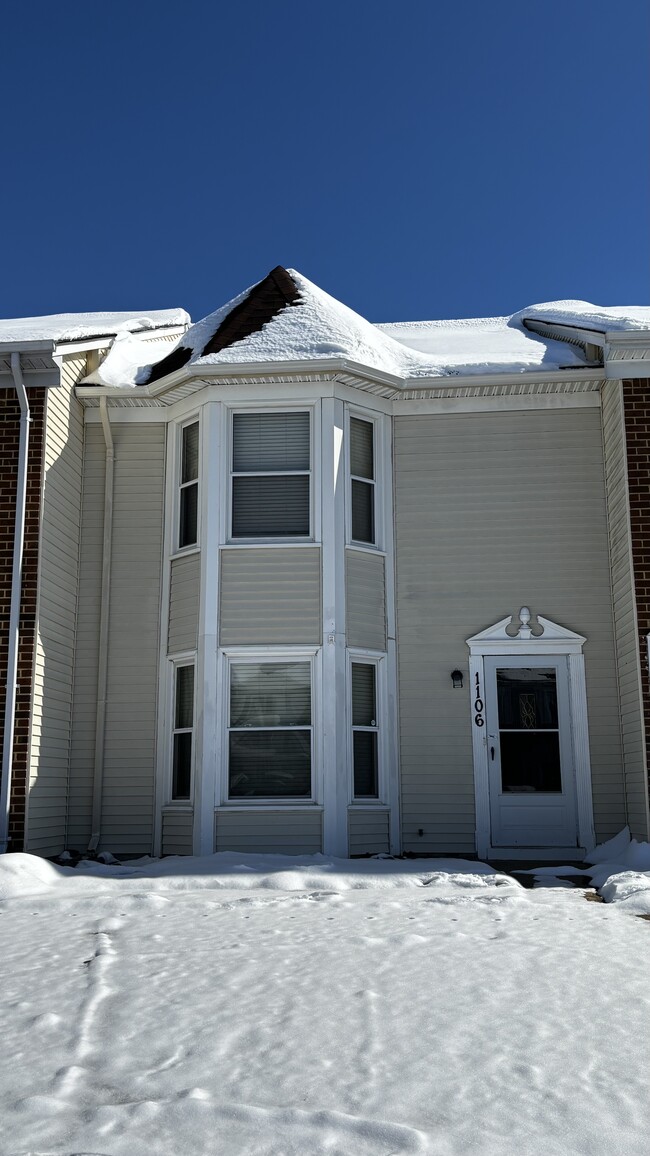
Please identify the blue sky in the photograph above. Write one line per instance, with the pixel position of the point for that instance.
(417, 159)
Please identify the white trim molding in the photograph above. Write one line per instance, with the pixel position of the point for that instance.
(519, 637)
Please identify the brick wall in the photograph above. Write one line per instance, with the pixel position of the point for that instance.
(9, 440)
(636, 397)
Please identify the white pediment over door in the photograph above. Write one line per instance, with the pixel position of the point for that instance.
(515, 635)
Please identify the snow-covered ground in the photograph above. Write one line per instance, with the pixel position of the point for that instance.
(270, 1005)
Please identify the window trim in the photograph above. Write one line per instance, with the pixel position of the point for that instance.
(378, 659)
(179, 486)
(237, 656)
(175, 663)
(375, 420)
(312, 473)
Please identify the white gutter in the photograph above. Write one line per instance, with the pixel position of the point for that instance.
(14, 611)
(102, 659)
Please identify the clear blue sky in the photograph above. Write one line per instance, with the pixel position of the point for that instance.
(415, 158)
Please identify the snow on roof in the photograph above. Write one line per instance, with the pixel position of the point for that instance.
(482, 345)
(584, 315)
(315, 326)
(77, 326)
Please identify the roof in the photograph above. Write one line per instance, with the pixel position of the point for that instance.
(286, 318)
(77, 326)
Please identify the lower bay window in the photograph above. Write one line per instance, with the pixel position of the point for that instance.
(365, 731)
(270, 730)
(183, 733)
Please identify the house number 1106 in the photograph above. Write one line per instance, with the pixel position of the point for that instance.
(479, 721)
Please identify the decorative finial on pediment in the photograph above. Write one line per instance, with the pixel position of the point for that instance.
(524, 618)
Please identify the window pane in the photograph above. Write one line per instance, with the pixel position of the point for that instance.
(363, 519)
(182, 770)
(270, 764)
(361, 448)
(365, 764)
(189, 515)
(363, 695)
(527, 698)
(270, 507)
(190, 469)
(270, 694)
(530, 762)
(184, 716)
(270, 441)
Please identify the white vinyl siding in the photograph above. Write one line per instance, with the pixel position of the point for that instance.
(494, 510)
(368, 831)
(184, 603)
(297, 832)
(625, 619)
(365, 591)
(57, 609)
(177, 831)
(129, 750)
(270, 596)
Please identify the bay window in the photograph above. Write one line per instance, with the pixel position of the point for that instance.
(365, 731)
(189, 486)
(271, 475)
(362, 480)
(183, 732)
(270, 730)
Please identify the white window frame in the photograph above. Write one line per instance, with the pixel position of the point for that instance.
(504, 639)
(377, 422)
(179, 660)
(239, 655)
(312, 473)
(379, 661)
(180, 486)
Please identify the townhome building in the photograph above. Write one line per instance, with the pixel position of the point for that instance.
(288, 581)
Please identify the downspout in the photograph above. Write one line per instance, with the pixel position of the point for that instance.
(14, 610)
(102, 658)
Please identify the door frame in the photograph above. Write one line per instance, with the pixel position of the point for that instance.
(508, 638)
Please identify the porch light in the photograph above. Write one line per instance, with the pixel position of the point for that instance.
(457, 679)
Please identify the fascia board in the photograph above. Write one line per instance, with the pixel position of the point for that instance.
(100, 342)
(46, 346)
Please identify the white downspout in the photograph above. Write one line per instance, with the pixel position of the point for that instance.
(14, 611)
(102, 658)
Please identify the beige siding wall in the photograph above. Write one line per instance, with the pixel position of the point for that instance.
(368, 831)
(494, 511)
(177, 832)
(365, 592)
(57, 606)
(270, 596)
(281, 832)
(625, 621)
(129, 751)
(184, 592)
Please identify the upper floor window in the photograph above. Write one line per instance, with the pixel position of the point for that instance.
(271, 479)
(362, 473)
(189, 486)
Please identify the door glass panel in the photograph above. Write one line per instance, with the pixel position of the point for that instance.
(529, 737)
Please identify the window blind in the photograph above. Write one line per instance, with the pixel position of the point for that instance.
(270, 442)
(361, 448)
(270, 506)
(270, 694)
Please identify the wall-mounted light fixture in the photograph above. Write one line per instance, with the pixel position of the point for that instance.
(456, 679)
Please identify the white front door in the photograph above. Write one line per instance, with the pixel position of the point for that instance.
(530, 752)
